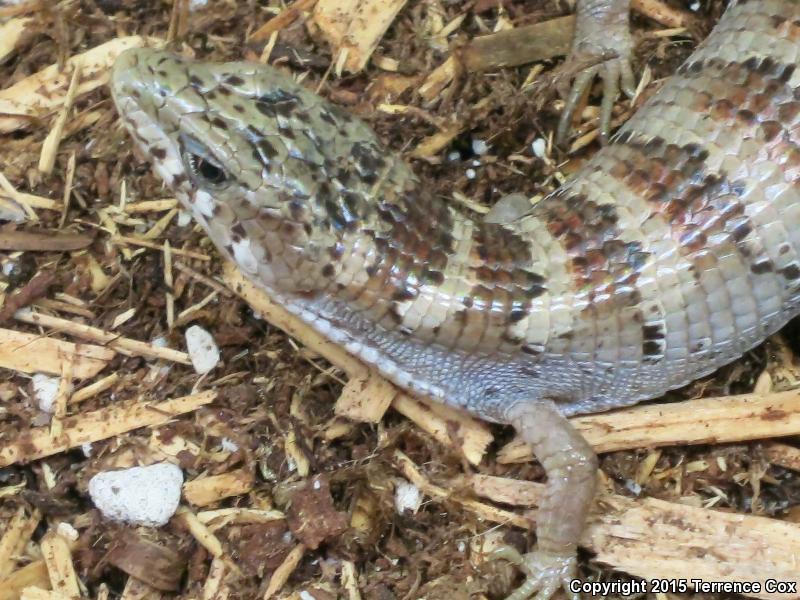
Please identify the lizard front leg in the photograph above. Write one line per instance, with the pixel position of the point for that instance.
(571, 467)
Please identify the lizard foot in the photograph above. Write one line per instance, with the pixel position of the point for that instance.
(545, 573)
(603, 42)
(616, 74)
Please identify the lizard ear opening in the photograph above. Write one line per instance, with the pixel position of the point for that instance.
(203, 168)
(206, 170)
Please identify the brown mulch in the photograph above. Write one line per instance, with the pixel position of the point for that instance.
(268, 387)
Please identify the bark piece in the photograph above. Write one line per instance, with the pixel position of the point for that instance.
(154, 564)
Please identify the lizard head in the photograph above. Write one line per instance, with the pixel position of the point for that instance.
(281, 180)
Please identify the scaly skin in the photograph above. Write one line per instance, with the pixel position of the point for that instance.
(673, 251)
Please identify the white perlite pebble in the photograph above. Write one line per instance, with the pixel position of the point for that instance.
(67, 531)
(184, 218)
(228, 445)
(45, 390)
(479, 147)
(407, 497)
(146, 496)
(202, 349)
(539, 147)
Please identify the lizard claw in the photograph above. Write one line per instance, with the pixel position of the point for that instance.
(545, 572)
(616, 73)
(607, 51)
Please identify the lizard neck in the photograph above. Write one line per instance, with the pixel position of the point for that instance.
(424, 270)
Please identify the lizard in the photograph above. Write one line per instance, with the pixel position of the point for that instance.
(670, 253)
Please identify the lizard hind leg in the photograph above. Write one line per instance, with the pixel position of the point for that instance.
(571, 468)
(544, 575)
(536, 573)
(602, 39)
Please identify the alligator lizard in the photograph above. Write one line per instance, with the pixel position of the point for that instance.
(674, 250)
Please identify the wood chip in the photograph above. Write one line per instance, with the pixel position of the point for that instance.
(783, 455)
(169, 282)
(10, 32)
(154, 564)
(439, 79)
(16, 536)
(47, 157)
(350, 580)
(58, 558)
(295, 454)
(284, 571)
(68, 182)
(136, 589)
(365, 399)
(121, 239)
(200, 532)
(214, 587)
(121, 344)
(61, 306)
(62, 396)
(31, 575)
(655, 539)
(158, 229)
(284, 19)
(27, 201)
(36, 287)
(21, 8)
(82, 120)
(44, 91)
(209, 490)
(147, 206)
(205, 279)
(36, 593)
(519, 46)
(51, 241)
(662, 13)
(447, 425)
(98, 425)
(483, 510)
(706, 421)
(122, 318)
(355, 27)
(17, 200)
(431, 145)
(30, 353)
(94, 389)
(215, 519)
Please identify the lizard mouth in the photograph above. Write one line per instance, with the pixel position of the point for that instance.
(140, 99)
